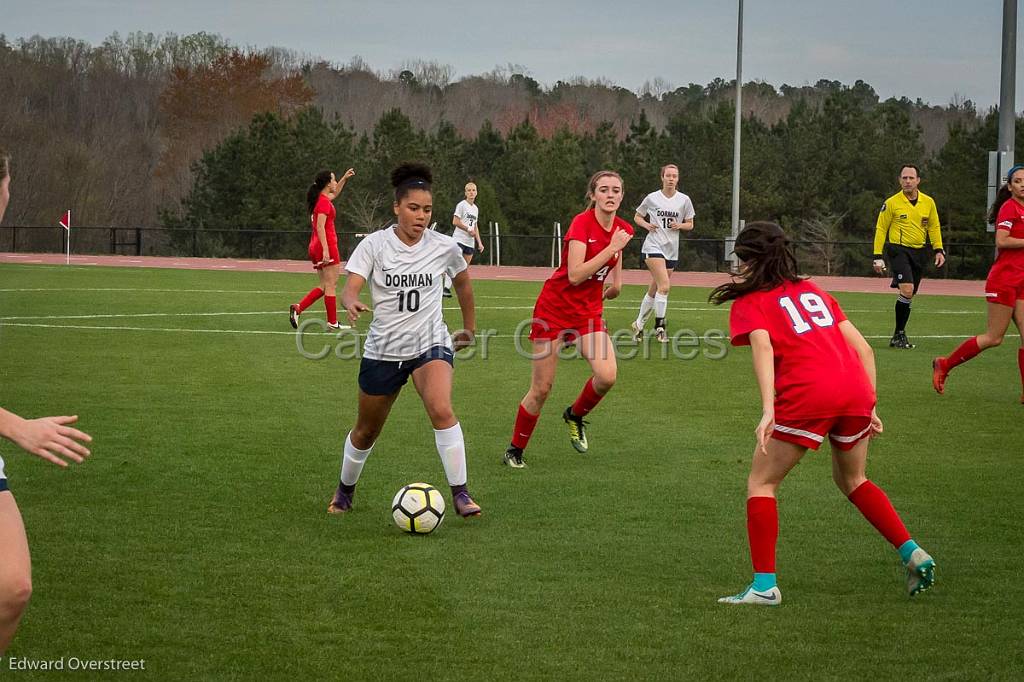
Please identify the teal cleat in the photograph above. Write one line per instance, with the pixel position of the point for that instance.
(920, 572)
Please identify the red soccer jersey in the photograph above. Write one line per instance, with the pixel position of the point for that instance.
(817, 373)
(570, 306)
(324, 206)
(1011, 219)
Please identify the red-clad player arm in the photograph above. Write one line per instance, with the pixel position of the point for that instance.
(749, 326)
(341, 184)
(579, 270)
(615, 287)
(321, 234)
(1005, 241)
(764, 370)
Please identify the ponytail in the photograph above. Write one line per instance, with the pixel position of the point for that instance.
(319, 182)
(767, 260)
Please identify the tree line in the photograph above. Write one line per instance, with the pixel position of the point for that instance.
(191, 131)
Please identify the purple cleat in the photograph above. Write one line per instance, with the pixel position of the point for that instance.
(342, 501)
(464, 505)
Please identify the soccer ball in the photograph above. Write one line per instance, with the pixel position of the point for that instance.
(418, 508)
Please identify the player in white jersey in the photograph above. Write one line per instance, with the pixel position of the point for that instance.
(664, 214)
(50, 438)
(467, 232)
(404, 265)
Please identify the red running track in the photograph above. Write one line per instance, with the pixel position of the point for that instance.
(870, 285)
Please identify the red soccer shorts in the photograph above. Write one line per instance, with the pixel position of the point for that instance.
(316, 254)
(543, 330)
(843, 432)
(1004, 288)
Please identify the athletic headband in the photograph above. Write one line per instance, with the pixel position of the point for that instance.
(1009, 173)
(415, 182)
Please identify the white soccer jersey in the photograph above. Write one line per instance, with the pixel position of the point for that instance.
(405, 291)
(661, 210)
(2, 475)
(469, 214)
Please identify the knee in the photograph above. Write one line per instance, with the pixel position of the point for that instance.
(847, 483)
(363, 437)
(540, 391)
(14, 596)
(441, 417)
(759, 487)
(663, 289)
(990, 341)
(604, 380)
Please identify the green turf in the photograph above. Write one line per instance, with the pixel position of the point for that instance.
(196, 538)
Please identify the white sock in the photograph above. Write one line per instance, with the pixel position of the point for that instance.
(452, 448)
(352, 462)
(660, 305)
(645, 309)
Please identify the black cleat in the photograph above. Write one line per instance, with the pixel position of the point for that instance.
(900, 340)
(514, 458)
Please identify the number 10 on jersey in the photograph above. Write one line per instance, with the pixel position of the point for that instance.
(408, 300)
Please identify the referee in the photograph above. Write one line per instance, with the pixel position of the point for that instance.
(907, 221)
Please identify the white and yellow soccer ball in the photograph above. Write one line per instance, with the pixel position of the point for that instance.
(418, 508)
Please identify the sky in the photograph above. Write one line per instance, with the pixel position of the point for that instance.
(934, 50)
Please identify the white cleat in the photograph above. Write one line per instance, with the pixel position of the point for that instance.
(772, 597)
(638, 331)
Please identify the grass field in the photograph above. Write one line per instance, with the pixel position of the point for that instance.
(196, 536)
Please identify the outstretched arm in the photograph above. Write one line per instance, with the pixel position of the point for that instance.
(49, 437)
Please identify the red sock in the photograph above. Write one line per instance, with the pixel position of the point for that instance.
(312, 297)
(525, 423)
(964, 352)
(876, 508)
(331, 303)
(587, 400)
(1020, 364)
(763, 532)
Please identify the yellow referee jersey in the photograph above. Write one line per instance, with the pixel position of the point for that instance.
(901, 222)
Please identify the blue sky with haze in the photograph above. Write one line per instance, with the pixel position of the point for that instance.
(929, 50)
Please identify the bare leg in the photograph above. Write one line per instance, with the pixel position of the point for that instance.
(15, 569)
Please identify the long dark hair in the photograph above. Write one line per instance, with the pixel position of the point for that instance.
(767, 262)
(5, 163)
(410, 176)
(320, 181)
(1002, 195)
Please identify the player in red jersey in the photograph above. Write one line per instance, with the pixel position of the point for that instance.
(323, 245)
(569, 310)
(817, 379)
(1004, 287)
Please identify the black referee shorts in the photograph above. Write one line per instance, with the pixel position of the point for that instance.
(906, 264)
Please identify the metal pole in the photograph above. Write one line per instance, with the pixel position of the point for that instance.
(739, 118)
(1008, 81)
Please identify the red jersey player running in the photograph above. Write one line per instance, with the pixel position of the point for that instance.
(817, 379)
(569, 310)
(323, 246)
(1004, 287)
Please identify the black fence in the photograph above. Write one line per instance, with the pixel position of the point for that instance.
(963, 261)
